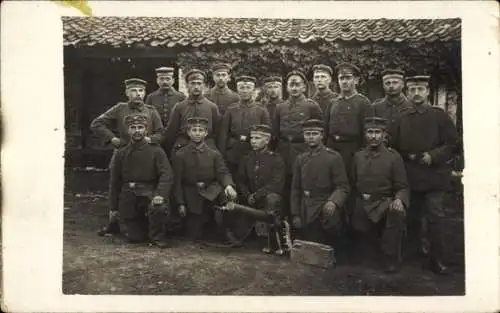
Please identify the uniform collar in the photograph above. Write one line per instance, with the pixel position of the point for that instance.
(201, 148)
(323, 94)
(221, 91)
(196, 100)
(133, 145)
(168, 91)
(420, 108)
(274, 101)
(355, 93)
(136, 106)
(317, 150)
(247, 104)
(396, 101)
(374, 153)
(298, 99)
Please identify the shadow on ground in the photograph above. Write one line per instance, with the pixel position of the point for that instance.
(104, 265)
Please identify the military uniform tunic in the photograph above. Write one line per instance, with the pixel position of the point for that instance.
(164, 101)
(234, 135)
(223, 98)
(101, 124)
(325, 98)
(390, 109)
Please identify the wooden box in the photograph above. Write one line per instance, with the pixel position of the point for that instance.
(312, 253)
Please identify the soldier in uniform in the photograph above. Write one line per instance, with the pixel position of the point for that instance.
(345, 116)
(426, 138)
(319, 188)
(220, 94)
(196, 105)
(322, 78)
(234, 135)
(273, 96)
(261, 178)
(382, 192)
(140, 184)
(201, 179)
(395, 102)
(165, 97)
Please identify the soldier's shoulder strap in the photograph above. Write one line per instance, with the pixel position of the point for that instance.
(332, 151)
(312, 101)
(437, 108)
(378, 101)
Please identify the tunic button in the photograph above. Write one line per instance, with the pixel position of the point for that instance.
(307, 193)
(337, 138)
(131, 184)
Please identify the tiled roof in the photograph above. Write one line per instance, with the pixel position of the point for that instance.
(181, 31)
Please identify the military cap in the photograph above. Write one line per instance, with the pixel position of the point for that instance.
(420, 79)
(272, 79)
(246, 79)
(135, 82)
(376, 122)
(392, 73)
(347, 68)
(197, 121)
(322, 68)
(195, 74)
(296, 73)
(261, 129)
(164, 70)
(136, 118)
(313, 124)
(221, 67)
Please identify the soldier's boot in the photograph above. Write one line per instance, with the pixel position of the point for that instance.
(279, 251)
(113, 228)
(268, 249)
(156, 226)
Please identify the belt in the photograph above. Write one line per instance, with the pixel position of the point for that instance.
(312, 193)
(134, 184)
(373, 197)
(412, 157)
(344, 138)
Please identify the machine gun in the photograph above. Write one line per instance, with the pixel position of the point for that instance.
(279, 228)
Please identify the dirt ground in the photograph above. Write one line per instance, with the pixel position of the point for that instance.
(105, 265)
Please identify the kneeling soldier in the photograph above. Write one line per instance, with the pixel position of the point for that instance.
(201, 179)
(261, 178)
(319, 188)
(141, 180)
(382, 193)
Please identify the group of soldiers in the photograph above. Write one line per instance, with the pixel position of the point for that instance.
(335, 165)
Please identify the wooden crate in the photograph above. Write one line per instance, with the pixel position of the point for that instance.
(312, 253)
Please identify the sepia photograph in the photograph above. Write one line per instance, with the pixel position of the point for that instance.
(263, 156)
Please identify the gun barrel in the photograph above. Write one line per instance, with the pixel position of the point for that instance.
(259, 215)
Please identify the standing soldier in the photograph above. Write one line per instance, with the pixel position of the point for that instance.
(165, 97)
(220, 94)
(201, 179)
(426, 138)
(141, 180)
(381, 191)
(345, 116)
(319, 188)
(322, 78)
(234, 135)
(273, 97)
(196, 105)
(395, 102)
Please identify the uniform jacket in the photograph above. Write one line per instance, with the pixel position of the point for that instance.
(146, 166)
(390, 109)
(345, 117)
(194, 164)
(380, 176)
(426, 129)
(182, 111)
(234, 136)
(223, 98)
(325, 99)
(164, 101)
(270, 105)
(101, 125)
(318, 176)
(261, 173)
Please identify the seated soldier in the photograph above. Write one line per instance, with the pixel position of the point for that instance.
(382, 192)
(201, 179)
(141, 180)
(261, 179)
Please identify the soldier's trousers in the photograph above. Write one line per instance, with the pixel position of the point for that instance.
(141, 219)
(428, 206)
(197, 223)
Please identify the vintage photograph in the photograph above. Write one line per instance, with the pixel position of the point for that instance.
(270, 157)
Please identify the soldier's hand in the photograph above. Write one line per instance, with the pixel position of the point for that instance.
(329, 208)
(147, 139)
(113, 215)
(251, 199)
(182, 210)
(297, 223)
(115, 141)
(397, 205)
(230, 192)
(158, 200)
(426, 158)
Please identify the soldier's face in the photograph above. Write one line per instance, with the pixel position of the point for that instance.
(393, 86)
(135, 94)
(245, 90)
(321, 80)
(137, 132)
(374, 136)
(295, 86)
(221, 78)
(313, 137)
(417, 93)
(273, 90)
(197, 133)
(165, 81)
(347, 82)
(195, 87)
(258, 141)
